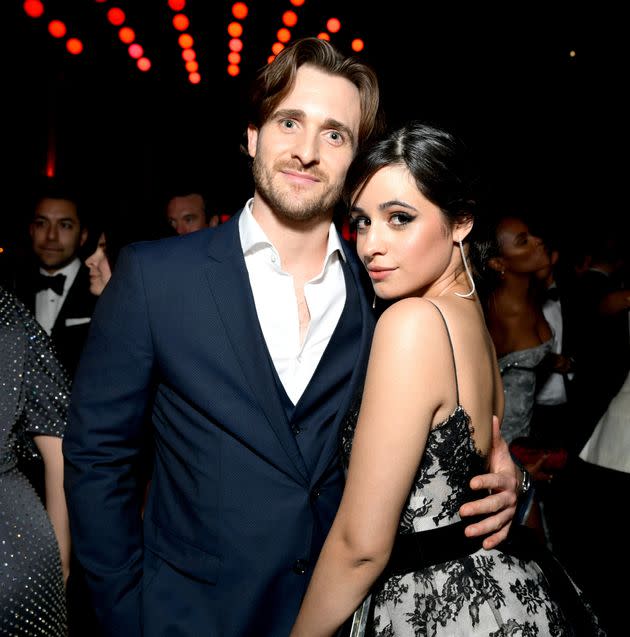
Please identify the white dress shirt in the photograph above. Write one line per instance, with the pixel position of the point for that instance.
(48, 303)
(277, 308)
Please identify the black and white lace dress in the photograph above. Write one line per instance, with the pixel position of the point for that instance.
(488, 592)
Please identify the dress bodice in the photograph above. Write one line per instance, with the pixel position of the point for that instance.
(519, 371)
(441, 484)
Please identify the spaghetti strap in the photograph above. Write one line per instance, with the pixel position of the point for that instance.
(450, 342)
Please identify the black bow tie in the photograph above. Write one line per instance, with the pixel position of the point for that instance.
(55, 283)
(553, 294)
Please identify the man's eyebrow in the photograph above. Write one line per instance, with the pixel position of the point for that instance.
(289, 113)
(40, 215)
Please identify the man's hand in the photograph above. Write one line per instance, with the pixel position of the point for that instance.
(500, 505)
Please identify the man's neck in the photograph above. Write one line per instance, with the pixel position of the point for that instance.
(301, 244)
(57, 269)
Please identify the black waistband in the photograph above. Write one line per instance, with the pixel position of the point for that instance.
(416, 551)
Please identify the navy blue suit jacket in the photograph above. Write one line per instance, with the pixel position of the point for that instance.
(238, 506)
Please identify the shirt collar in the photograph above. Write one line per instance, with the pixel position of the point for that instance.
(253, 236)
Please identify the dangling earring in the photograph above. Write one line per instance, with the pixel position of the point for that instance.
(470, 278)
(374, 303)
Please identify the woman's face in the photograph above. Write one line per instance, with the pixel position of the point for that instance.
(521, 251)
(100, 272)
(402, 237)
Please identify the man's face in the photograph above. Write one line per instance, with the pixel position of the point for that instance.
(56, 233)
(186, 214)
(302, 152)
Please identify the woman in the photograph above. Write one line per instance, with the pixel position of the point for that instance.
(422, 430)
(102, 260)
(34, 541)
(517, 262)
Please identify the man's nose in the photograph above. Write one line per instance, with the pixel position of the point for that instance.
(306, 147)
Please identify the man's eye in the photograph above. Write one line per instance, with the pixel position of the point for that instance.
(336, 137)
(288, 123)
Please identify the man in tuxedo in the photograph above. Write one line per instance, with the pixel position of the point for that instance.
(247, 342)
(57, 290)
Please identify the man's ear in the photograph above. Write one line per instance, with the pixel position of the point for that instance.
(84, 236)
(462, 230)
(252, 140)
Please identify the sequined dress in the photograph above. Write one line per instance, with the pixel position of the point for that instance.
(33, 401)
(519, 370)
(487, 593)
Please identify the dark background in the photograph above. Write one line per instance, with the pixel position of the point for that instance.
(550, 130)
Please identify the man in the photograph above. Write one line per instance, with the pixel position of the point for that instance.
(58, 291)
(250, 361)
(187, 212)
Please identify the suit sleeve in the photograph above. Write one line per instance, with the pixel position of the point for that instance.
(104, 439)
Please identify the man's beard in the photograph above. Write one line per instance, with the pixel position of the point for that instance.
(287, 204)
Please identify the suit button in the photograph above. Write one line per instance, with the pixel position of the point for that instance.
(296, 430)
(315, 493)
(299, 567)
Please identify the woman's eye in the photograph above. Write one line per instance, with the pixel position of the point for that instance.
(400, 218)
(359, 223)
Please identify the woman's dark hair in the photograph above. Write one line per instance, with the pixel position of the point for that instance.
(117, 236)
(484, 245)
(439, 162)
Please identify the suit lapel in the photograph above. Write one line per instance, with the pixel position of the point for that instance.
(228, 282)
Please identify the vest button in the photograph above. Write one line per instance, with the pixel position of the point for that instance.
(299, 567)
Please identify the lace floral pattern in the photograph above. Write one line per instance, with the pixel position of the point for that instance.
(487, 593)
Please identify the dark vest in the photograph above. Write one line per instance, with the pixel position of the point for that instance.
(313, 416)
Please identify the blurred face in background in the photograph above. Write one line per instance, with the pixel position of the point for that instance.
(521, 251)
(100, 270)
(56, 233)
(186, 214)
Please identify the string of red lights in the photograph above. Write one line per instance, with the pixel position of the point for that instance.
(181, 23)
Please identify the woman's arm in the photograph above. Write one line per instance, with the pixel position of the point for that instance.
(405, 388)
(50, 449)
